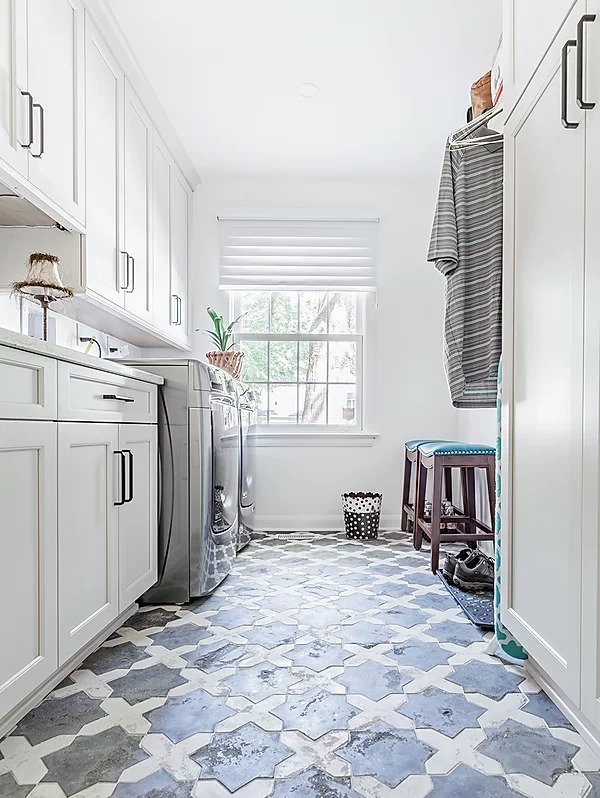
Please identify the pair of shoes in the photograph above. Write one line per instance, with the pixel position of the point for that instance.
(475, 573)
(469, 570)
(452, 561)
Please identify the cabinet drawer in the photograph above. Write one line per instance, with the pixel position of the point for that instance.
(27, 385)
(92, 395)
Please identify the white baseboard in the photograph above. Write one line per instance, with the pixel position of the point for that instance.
(569, 710)
(8, 722)
(317, 523)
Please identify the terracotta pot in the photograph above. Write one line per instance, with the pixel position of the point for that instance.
(231, 362)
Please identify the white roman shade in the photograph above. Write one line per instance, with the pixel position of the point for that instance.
(307, 254)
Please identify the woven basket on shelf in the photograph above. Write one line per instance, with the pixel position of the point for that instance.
(231, 362)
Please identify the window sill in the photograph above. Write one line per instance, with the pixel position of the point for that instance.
(285, 439)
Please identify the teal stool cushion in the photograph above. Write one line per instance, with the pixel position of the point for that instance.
(437, 448)
(412, 446)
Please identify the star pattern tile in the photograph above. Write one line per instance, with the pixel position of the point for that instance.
(320, 668)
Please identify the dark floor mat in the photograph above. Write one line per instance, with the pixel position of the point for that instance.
(478, 607)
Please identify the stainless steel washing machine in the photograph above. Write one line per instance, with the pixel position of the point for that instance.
(248, 411)
(199, 449)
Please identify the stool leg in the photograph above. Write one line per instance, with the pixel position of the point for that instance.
(448, 484)
(419, 504)
(436, 501)
(470, 528)
(405, 491)
(490, 472)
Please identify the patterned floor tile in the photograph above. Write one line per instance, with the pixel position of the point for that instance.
(261, 681)
(372, 680)
(140, 685)
(315, 712)
(385, 752)
(320, 668)
(313, 783)
(318, 655)
(88, 760)
(183, 716)
(494, 681)
(56, 716)
(534, 752)
(449, 713)
(236, 758)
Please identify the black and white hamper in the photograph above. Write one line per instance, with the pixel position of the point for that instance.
(361, 515)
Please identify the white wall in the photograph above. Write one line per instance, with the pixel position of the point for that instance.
(299, 488)
(14, 316)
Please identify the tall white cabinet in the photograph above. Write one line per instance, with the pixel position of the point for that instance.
(551, 397)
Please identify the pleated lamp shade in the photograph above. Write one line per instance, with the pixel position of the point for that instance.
(43, 278)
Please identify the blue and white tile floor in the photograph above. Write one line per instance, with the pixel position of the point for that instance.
(321, 668)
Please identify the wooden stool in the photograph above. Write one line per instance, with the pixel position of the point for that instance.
(441, 458)
(411, 455)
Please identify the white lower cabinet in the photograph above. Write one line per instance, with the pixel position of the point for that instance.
(88, 532)
(28, 541)
(138, 511)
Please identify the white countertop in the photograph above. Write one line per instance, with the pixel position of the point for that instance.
(16, 340)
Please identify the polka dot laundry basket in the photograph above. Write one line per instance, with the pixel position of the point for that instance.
(361, 515)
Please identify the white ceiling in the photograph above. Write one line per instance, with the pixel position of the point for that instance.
(394, 78)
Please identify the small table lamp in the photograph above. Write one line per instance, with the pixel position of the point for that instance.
(43, 283)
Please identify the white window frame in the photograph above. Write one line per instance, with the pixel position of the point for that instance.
(324, 432)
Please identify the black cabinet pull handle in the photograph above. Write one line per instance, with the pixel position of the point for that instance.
(29, 119)
(129, 453)
(179, 305)
(587, 106)
(42, 126)
(130, 289)
(118, 398)
(124, 287)
(565, 85)
(122, 480)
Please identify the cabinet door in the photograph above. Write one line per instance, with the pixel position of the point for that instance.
(543, 352)
(104, 82)
(28, 590)
(55, 79)
(590, 603)
(180, 210)
(528, 33)
(137, 188)
(88, 532)
(138, 514)
(13, 73)
(161, 229)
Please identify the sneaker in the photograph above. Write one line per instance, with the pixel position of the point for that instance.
(475, 573)
(452, 561)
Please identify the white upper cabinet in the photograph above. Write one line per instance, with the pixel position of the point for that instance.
(161, 228)
(137, 199)
(13, 79)
(106, 265)
(55, 82)
(180, 213)
(529, 29)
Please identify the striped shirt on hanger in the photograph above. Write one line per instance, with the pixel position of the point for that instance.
(466, 247)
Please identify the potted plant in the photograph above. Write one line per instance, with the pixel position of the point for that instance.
(224, 357)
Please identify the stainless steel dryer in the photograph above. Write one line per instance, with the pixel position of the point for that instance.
(199, 448)
(248, 410)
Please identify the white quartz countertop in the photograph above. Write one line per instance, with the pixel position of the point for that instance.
(16, 340)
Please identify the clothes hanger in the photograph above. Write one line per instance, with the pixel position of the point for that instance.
(462, 139)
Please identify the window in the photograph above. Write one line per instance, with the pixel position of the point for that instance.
(303, 354)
